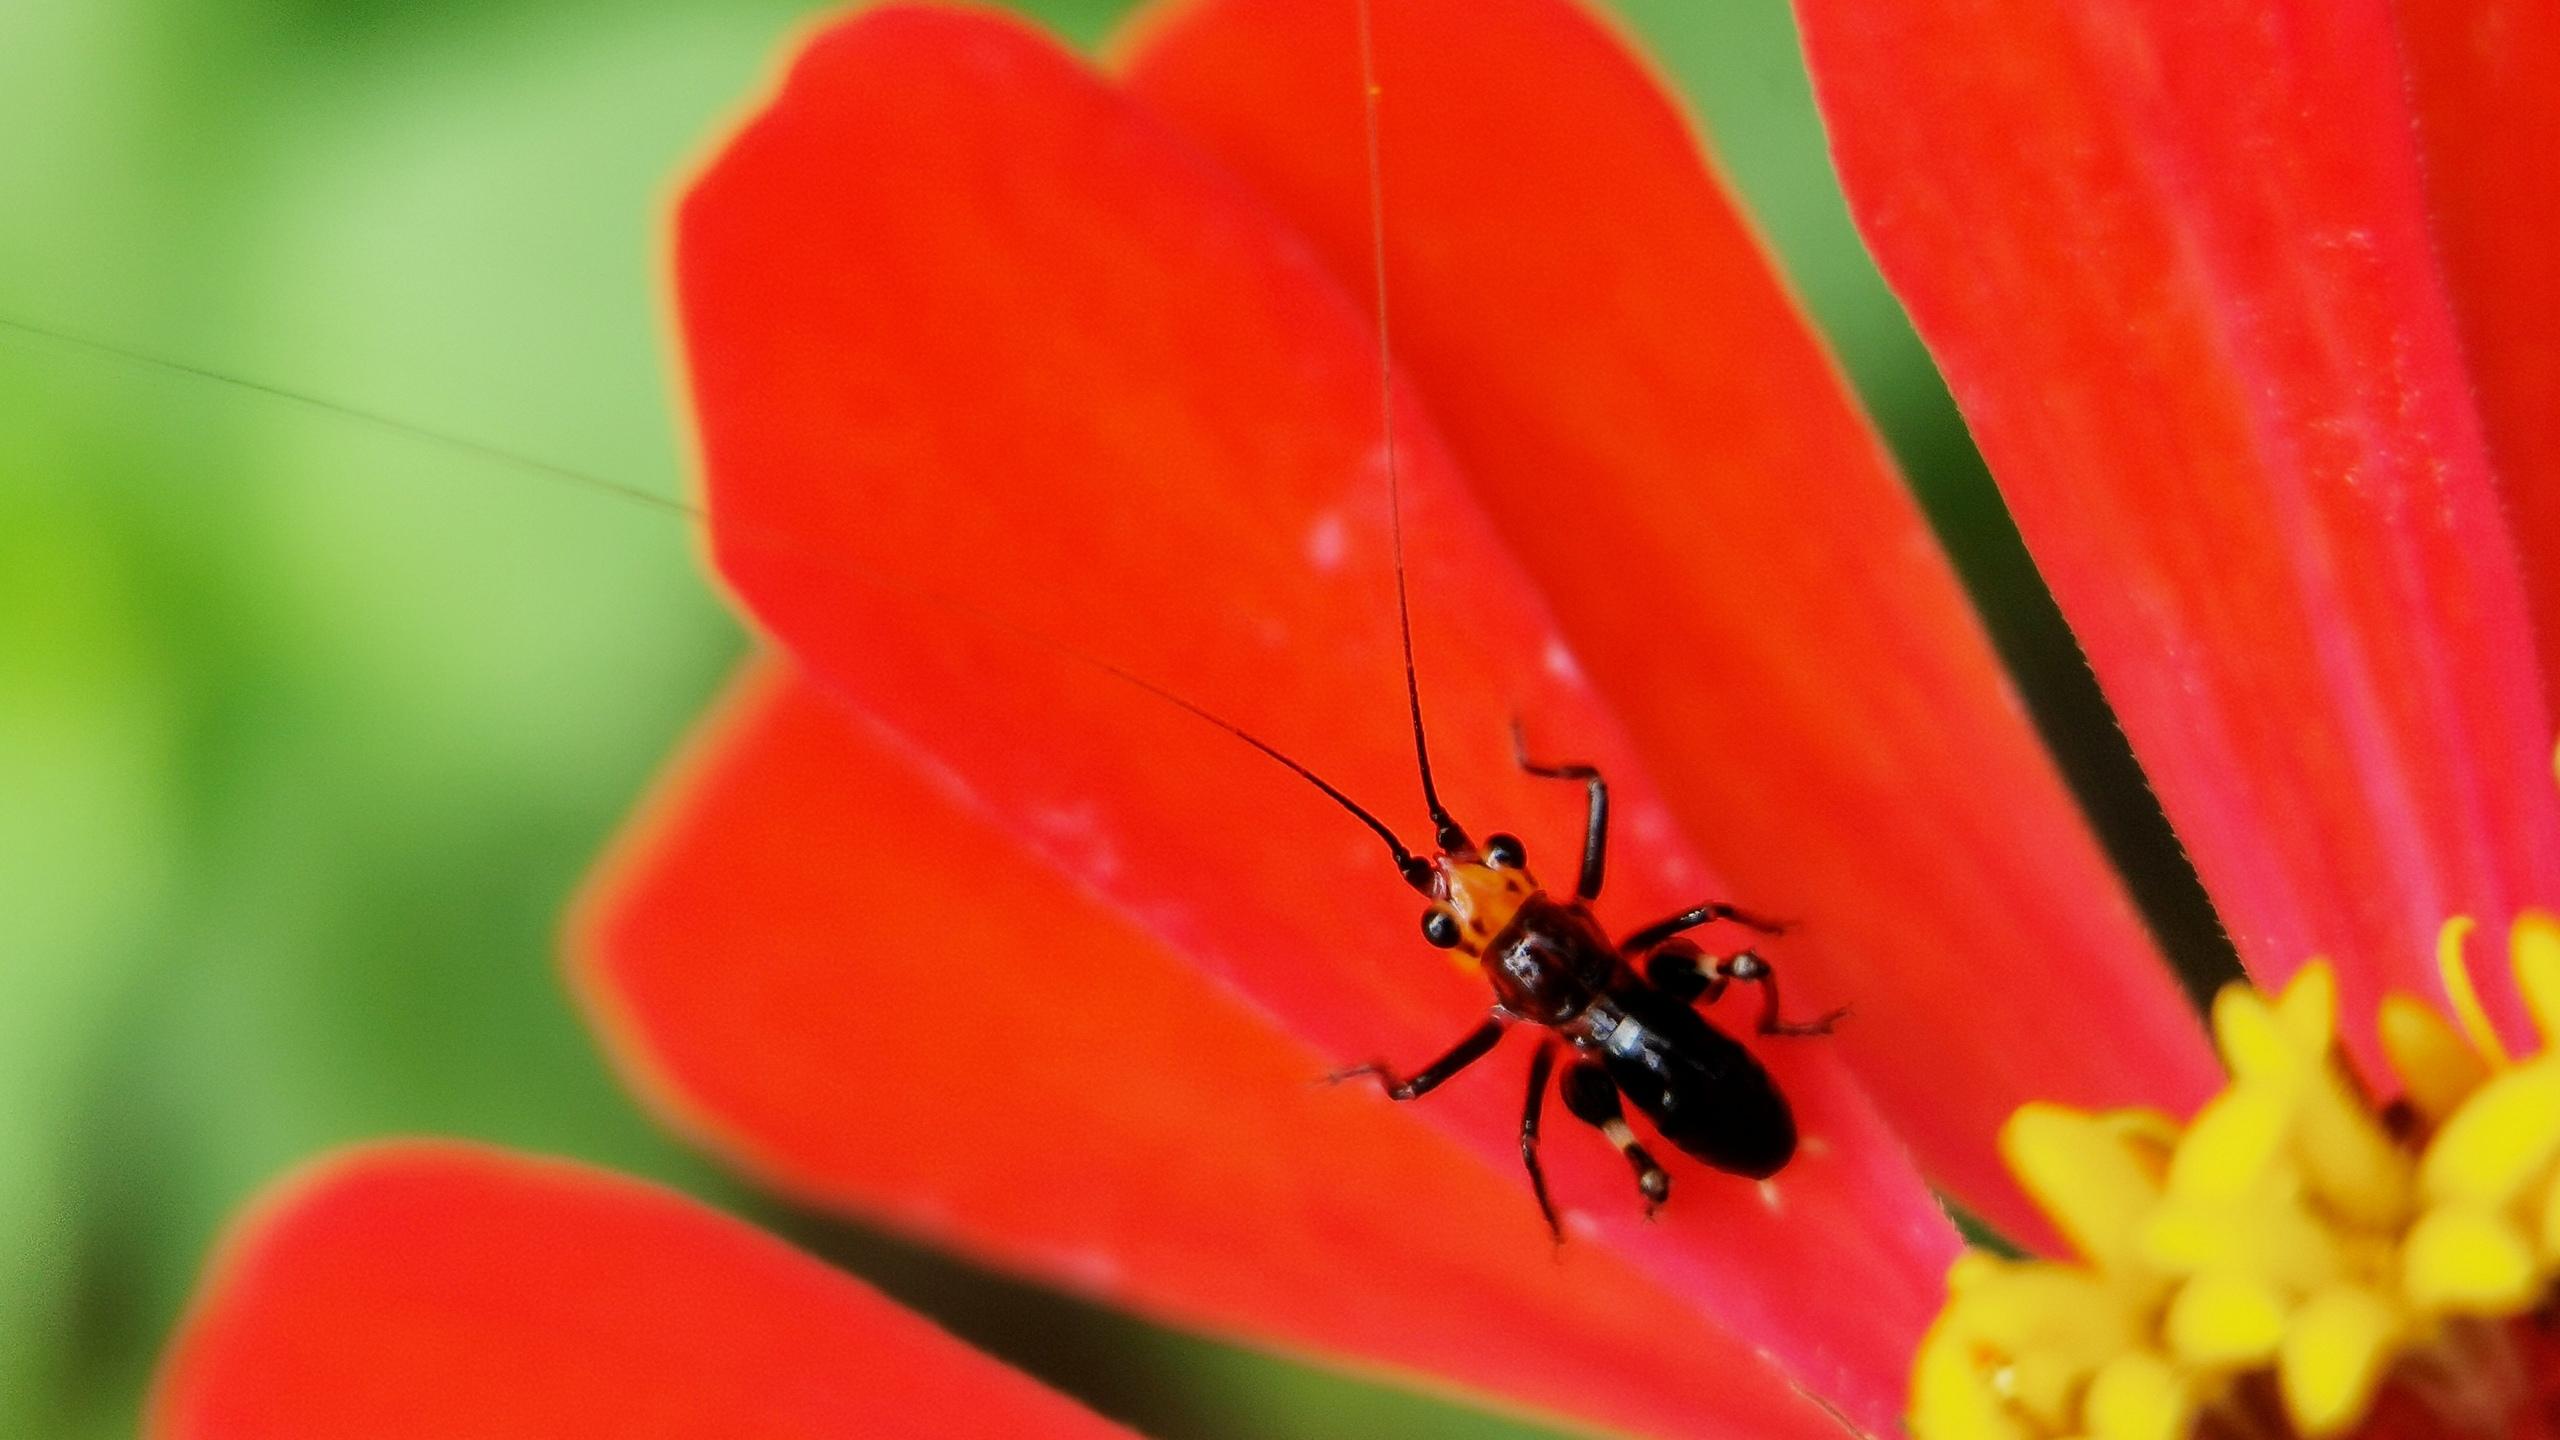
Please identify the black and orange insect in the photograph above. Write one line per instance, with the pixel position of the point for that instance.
(1625, 1010)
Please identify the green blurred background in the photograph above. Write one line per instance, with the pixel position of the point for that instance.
(307, 727)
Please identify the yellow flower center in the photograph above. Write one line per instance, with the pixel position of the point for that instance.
(2297, 1260)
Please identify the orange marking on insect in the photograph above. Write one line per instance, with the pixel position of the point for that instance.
(1483, 897)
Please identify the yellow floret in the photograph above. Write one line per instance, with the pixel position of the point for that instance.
(2535, 942)
(2334, 1356)
(2438, 1066)
(2294, 1230)
(2097, 1180)
(2500, 1142)
(2459, 992)
(2460, 1260)
(2139, 1396)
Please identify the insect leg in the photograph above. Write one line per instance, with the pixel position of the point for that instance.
(1750, 969)
(1684, 972)
(1690, 919)
(1540, 1068)
(1593, 1098)
(1595, 830)
(1461, 1055)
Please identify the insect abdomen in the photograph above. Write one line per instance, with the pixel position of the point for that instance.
(1701, 1089)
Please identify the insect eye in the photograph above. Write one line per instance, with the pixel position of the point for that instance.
(1505, 852)
(1440, 927)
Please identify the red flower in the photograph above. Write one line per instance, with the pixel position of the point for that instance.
(947, 930)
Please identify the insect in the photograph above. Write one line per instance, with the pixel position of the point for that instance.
(1625, 1009)
(1688, 1063)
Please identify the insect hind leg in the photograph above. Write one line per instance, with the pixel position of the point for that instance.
(1593, 1098)
(1681, 969)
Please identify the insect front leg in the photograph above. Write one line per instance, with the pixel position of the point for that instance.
(1679, 968)
(1593, 1098)
(1540, 1068)
(1595, 829)
(1461, 1055)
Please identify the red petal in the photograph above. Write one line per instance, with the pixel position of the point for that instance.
(1643, 409)
(2485, 76)
(440, 1290)
(803, 955)
(958, 313)
(2173, 260)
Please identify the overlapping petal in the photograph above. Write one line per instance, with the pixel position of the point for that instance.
(1000, 369)
(2173, 260)
(441, 1290)
(827, 968)
(2484, 78)
(960, 315)
(1651, 423)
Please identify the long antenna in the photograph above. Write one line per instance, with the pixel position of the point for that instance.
(1450, 834)
(1414, 870)
(1406, 864)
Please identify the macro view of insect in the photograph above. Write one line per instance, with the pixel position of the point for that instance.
(1620, 1017)
(1261, 569)
(1625, 1009)
(1622, 1007)
(698, 700)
